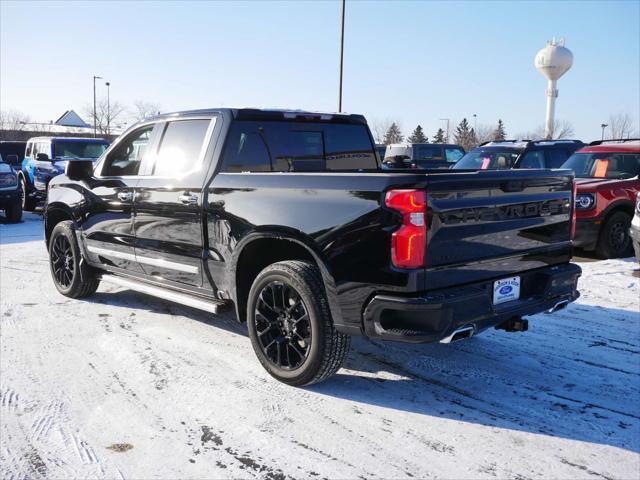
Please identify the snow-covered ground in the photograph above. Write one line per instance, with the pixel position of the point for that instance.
(126, 386)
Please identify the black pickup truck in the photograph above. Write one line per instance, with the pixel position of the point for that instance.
(288, 216)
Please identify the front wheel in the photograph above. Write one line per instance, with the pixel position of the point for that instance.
(614, 240)
(71, 274)
(290, 324)
(14, 212)
(28, 203)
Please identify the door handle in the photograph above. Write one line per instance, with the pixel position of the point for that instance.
(188, 198)
(125, 196)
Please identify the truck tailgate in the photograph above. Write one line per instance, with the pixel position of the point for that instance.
(494, 223)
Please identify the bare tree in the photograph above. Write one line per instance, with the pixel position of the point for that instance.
(621, 126)
(107, 115)
(13, 120)
(144, 110)
(484, 133)
(379, 128)
(561, 129)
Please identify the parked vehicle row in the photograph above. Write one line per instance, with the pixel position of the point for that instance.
(519, 154)
(46, 157)
(287, 216)
(608, 182)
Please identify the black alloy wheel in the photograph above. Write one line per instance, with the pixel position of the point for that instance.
(290, 324)
(283, 325)
(618, 236)
(62, 262)
(72, 276)
(614, 240)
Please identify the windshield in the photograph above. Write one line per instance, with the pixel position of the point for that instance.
(604, 165)
(427, 153)
(487, 159)
(78, 149)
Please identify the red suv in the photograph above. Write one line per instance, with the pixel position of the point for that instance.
(608, 181)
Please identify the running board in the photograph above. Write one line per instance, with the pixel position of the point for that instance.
(164, 293)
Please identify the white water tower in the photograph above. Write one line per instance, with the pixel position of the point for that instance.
(553, 61)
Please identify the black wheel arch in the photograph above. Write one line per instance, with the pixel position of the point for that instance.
(275, 246)
(53, 215)
(625, 206)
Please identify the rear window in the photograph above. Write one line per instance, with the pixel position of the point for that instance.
(488, 159)
(256, 146)
(604, 165)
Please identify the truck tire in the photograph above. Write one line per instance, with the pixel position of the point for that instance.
(71, 275)
(614, 240)
(28, 203)
(290, 324)
(14, 212)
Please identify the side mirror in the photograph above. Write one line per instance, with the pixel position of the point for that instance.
(13, 160)
(79, 169)
(42, 157)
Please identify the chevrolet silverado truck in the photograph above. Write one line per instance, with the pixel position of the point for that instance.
(288, 216)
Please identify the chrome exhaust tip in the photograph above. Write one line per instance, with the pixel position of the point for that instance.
(558, 306)
(460, 334)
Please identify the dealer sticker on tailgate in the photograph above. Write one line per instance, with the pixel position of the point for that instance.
(506, 290)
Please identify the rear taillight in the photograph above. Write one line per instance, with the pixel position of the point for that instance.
(408, 243)
(573, 210)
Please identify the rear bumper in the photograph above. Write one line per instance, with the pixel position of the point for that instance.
(435, 315)
(587, 231)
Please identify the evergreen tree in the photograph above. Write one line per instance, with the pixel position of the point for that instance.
(464, 135)
(439, 136)
(418, 136)
(499, 134)
(393, 135)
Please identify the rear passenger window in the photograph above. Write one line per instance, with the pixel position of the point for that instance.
(254, 146)
(557, 158)
(533, 159)
(181, 148)
(125, 159)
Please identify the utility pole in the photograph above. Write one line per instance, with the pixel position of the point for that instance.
(108, 107)
(94, 105)
(443, 119)
(341, 57)
(603, 126)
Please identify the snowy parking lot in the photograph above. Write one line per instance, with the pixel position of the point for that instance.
(126, 386)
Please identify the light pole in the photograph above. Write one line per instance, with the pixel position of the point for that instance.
(475, 122)
(603, 125)
(94, 104)
(108, 107)
(447, 120)
(341, 57)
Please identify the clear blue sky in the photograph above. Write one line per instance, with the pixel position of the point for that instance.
(411, 61)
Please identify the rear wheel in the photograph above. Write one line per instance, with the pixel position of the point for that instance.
(71, 274)
(14, 212)
(28, 203)
(290, 324)
(614, 240)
